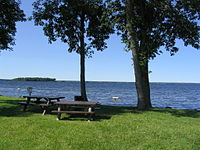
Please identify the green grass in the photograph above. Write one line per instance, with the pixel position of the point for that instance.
(116, 128)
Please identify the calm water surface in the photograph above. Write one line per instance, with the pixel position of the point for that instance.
(175, 95)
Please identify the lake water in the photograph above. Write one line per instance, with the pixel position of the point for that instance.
(175, 95)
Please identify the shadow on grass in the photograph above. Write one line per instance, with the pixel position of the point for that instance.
(10, 108)
(106, 112)
(179, 113)
(78, 117)
(110, 110)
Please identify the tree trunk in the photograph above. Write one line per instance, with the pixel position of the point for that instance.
(140, 69)
(141, 82)
(82, 60)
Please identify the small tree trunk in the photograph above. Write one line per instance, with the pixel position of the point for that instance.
(82, 60)
(82, 76)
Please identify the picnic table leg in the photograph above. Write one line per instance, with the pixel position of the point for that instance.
(59, 114)
(90, 115)
(45, 107)
(44, 111)
(27, 101)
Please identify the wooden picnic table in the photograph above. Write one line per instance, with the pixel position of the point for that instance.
(87, 108)
(43, 101)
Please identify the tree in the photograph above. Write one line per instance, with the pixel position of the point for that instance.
(146, 25)
(74, 22)
(10, 13)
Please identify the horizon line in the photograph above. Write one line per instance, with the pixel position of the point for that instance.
(63, 80)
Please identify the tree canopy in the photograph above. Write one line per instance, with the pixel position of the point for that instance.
(10, 13)
(158, 23)
(61, 19)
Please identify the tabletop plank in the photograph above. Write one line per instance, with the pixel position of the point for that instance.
(40, 97)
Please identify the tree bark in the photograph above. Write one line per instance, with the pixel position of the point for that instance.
(140, 69)
(82, 59)
(141, 82)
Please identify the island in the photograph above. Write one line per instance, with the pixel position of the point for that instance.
(33, 79)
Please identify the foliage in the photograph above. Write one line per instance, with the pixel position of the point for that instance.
(61, 19)
(116, 128)
(10, 13)
(158, 23)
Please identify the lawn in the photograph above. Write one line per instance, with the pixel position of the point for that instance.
(116, 128)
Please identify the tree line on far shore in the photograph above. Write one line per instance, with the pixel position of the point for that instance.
(34, 79)
(84, 25)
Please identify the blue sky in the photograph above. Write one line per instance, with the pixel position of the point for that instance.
(33, 56)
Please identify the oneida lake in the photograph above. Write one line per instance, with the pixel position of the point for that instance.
(175, 95)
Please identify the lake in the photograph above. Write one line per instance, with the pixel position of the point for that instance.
(175, 95)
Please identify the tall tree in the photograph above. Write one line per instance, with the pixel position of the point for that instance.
(146, 25)
(10, 13)
(74, 22)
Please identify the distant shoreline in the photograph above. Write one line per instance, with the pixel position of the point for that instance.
(118, 81)
(33, 79)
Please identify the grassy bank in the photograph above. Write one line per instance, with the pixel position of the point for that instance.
(116, 128)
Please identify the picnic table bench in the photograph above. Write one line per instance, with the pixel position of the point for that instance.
(43, 101)
(87, 108)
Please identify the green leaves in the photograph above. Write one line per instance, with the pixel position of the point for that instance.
(61, 19)
(10, 13)
(156, 23)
